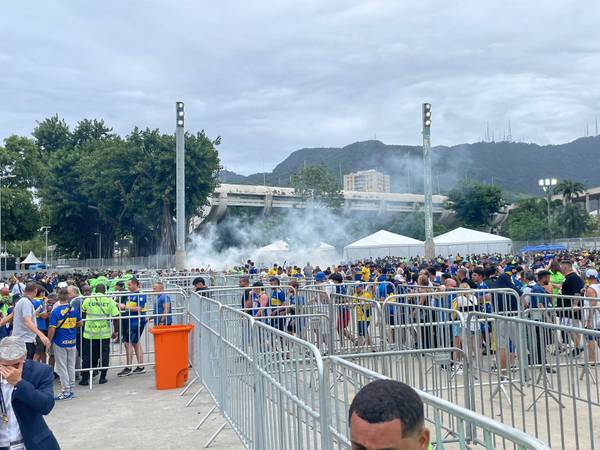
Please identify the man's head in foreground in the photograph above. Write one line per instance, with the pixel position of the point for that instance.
(387, 415)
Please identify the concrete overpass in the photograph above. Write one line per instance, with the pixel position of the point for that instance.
(272, 197)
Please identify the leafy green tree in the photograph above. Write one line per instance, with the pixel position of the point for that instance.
(528, 220)
(123, 188)
(319, 184)
(20, 171)
(570, 190)
(52, 134)
(572, 219)
(474, 203)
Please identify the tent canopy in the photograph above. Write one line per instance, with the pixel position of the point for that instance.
(384, 238)
(325, 246)
(277, 246)
(383, 243)
(466, 241)
(462, 235)
(31, 259)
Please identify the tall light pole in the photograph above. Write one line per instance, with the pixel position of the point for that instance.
(99, 244)
(180, 180)
(547, 184)
(45, 228)
(427, 181)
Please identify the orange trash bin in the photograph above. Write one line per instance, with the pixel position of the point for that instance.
(171, 355)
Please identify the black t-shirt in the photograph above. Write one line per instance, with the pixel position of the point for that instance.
(572, 285)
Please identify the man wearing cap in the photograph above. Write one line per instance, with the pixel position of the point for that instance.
(27, 395)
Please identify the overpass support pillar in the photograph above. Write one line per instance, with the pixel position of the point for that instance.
(587, 202)
(268, 204)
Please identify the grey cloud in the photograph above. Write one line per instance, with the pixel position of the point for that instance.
(274, 76)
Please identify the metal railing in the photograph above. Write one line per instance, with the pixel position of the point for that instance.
(278, 391)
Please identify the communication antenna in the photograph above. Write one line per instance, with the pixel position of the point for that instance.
(509, 137)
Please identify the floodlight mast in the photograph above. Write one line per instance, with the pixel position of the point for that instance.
(427, 181)
(180, 254)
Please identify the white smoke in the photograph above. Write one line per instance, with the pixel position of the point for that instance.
(304, 231)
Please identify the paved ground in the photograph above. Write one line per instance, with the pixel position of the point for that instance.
(130, 413)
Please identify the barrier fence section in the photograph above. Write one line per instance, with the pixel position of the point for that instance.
(113, 336)
(277, 391)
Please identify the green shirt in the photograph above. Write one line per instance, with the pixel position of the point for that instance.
(97, 307)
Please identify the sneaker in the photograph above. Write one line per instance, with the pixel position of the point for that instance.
(71, 394)
(576, 352)
(84, 382)
(459, 369)
(63, 396)
(125, 372)
(102, 381)
(138, 370)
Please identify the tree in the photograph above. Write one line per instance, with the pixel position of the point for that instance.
(318, 183)
(52, 134)
(123, 188)
(570, 190)
(572, 219)
(21, 170)
(528, 220)
(475, 203)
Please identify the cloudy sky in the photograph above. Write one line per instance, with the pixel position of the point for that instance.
(274, 76)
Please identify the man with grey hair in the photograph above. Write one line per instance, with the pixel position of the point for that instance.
(27, 395)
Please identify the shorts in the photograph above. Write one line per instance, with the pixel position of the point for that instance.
(278, 323)
(40, 348)
(506, 333)
(30, 349)
(343, 319)
(133, 332)
(363, 327)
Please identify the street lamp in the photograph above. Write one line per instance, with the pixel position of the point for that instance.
(427, 181)
(547, 184)
(180, 185)
(45, 229)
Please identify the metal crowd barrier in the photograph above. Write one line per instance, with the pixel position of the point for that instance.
(98, 354)
(274, 390)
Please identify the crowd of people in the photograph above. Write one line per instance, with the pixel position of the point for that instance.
(565, 283)
(47, 311)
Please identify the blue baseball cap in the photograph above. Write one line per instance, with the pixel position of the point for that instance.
(320, 276)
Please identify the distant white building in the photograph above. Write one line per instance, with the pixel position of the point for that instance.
(367, 181)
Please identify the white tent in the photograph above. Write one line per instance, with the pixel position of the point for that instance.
(383, 243)
(31, 259)
(464, 241)
(277, 246)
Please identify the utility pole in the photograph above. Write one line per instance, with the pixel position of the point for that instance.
(429, 244)
(46, 228)
(180, 255)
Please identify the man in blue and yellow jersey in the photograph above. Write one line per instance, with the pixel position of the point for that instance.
(277, 303)
(133, 326)
(64, 321)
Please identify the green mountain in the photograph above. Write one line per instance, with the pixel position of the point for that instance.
(515, 166)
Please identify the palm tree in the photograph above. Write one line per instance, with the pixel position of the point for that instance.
(570, 190)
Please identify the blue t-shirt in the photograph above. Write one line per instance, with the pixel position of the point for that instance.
(537, 300)
(277, 297)
(159, 308)
(66, 335)
(137, 300)
(40, 308)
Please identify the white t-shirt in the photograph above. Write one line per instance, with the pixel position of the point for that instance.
(9, 431)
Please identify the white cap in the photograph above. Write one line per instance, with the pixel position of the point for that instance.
(591, 273)
(62, 284)
(12, 348)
